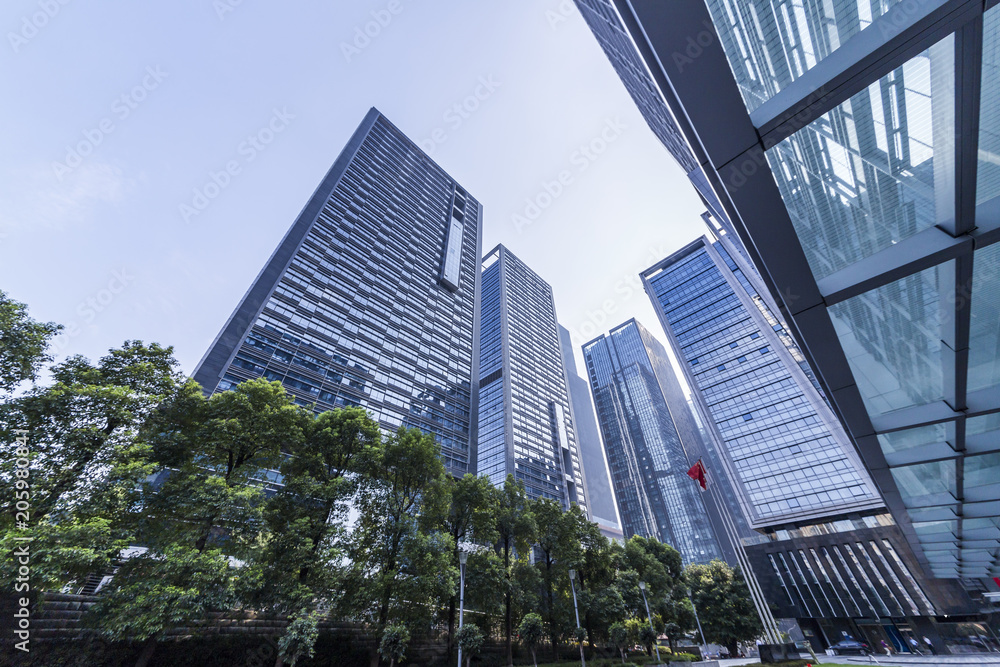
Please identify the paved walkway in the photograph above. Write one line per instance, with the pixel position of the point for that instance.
(967, 660)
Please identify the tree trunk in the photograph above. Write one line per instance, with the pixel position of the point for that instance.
(279, 661)
(534, 658)
(507, 621)
(733, 650)
(147, 652)
(451, 625)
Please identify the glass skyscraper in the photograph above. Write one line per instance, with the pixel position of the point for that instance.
(602, 500)
(853, 148)
(371, 297)
(782, 444)
(526, 425)
(637, 394)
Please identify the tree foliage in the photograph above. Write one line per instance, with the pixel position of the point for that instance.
(23, 343)
(724, 605)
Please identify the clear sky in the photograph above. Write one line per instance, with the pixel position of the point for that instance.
(116, 113)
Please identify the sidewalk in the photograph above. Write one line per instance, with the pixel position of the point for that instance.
(967, 660)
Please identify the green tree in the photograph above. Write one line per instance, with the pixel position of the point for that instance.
(485, 583)
(400, 556)
(558, 542)
(299, 638)
(86, 459)
(515, 528)
(530, 631)
(84, 451)
(469, 519)
(470, 639)
(618, 636)
(23, 343)
(216, 450)
(302, 555)
(392, 646)
(600, 603)
(158, 591)
(724, 605)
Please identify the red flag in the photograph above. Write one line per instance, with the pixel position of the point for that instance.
(697, 473)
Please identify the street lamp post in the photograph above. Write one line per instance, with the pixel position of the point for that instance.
(698, 621)
(572, 585)
(642, 587)
(463, 558)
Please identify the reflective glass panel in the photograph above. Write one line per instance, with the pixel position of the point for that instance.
(891, 336)
(988, 174)
(864, 176)
(984, 346)
(982, 470)
(770, 44)
(917, 437)
(918, 484)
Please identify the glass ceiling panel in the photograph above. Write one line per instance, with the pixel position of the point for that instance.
(984, 346)
(912, 438)
(770, 44)
(891, 336)
(866, 175)
(920, 483)
(982, 470)
(988, 177)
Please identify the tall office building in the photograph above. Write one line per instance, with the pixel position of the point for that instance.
(853, 148)
(827, 552)
(603, 509)
(371, 297)
(526, 425)
(642, 412)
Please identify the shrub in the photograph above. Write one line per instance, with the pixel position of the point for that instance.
(395, 637)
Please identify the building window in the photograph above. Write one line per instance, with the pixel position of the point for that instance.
(765, 350)
(747, 417)
(720, 367)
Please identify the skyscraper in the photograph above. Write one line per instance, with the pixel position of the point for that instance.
(637, 396)
(526, 425)
(602, 500)
(784, 447)
(852, 147)
(370, 299)
(827, 551)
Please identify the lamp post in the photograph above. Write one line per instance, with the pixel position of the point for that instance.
(642, 587)
(572, 585)
(697, 620)
(463, 558)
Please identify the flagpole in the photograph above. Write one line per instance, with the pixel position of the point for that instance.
(771, 630)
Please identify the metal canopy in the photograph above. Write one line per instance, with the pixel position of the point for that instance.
(684, 51)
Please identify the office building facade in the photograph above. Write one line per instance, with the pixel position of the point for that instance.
(637, 396)
(824, 536)
(603, 509)
(853, 148)
(526, 426)
(371, 297)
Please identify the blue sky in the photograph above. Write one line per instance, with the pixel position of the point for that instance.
(117, 115)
